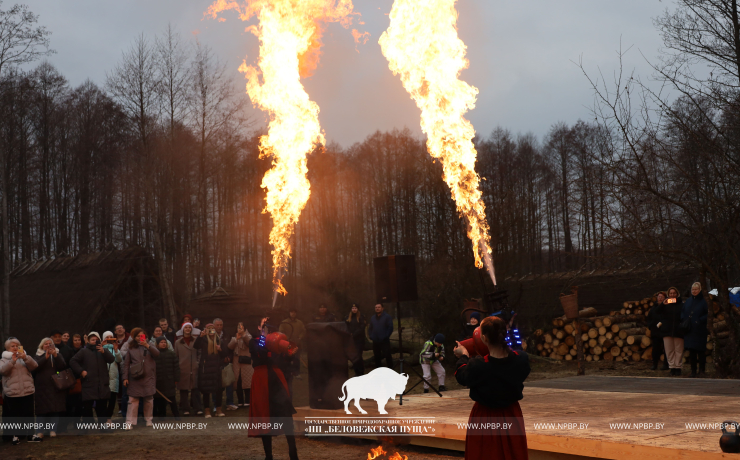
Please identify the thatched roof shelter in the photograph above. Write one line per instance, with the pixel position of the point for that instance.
(84, 292)
(232, 307)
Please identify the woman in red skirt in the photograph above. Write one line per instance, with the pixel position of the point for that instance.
(496, 382)
(270, 402)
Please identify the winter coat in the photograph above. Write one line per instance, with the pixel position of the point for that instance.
(670, 315)
(48, 398)
(240, 347)
(696, 307)
(293, 329)
(147, 385)
(68, 352)
(153, 342)
(380, 328)
(209, 367)
(17, 379)
(96, 385)
(168, 372)
(426, 356)
(357, 328)
(113, 371)
(187, 357)
(653, 318)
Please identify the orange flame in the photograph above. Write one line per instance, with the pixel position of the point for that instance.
(375, 453)
(422, 46)
(290, 33)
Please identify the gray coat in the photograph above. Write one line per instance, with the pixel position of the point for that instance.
(187, 356)
(96, 385)
(147, 385)
(48, 398)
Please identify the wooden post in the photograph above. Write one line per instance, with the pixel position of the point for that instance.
(579, 349)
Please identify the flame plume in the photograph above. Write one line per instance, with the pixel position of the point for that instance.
(290, 33)
(422, 46)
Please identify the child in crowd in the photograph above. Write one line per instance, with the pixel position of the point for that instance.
(431, 357)
(168, 374)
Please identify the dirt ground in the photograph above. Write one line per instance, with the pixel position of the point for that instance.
(213, 447)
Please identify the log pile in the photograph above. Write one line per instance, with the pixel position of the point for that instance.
(622, 335)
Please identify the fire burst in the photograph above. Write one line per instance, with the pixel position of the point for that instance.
(422, 46)
(290, 33)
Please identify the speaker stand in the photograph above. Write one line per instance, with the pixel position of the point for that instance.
(422, 380)
(400, 344)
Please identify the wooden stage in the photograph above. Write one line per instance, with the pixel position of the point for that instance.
(600, 402)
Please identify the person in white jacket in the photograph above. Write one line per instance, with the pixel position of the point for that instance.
(18, 390)
(113, 371)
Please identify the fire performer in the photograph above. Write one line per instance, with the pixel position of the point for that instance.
(270, 402)
(496, 381)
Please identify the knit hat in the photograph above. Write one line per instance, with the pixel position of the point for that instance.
(107, 334)
(439, 338)
(55, 332)
(93, 333)
(475, 315)
(161, 338)
(210, 325)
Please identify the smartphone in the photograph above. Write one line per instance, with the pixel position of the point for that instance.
(110, 340)
(142, 337)
(671, 301)
(20, 348)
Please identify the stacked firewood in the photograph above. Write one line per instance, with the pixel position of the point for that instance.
(622, 335)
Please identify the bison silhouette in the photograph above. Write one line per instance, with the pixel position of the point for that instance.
(381, 385)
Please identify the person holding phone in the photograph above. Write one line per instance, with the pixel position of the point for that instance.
(111, 344)
(653, 319)
(49, 401)
(91, 364)
(669, 316)
(242, 364)
(18, 389)
(140, 377)
(212, 355)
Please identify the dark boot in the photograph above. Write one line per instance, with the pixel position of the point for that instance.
(665, 365)
(267, 445)
(442, 388)
(654, 367)
(292, 449)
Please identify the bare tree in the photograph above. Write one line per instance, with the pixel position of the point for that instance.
(21, 41)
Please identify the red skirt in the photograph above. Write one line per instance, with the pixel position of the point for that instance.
(267, 401)
(496, 434)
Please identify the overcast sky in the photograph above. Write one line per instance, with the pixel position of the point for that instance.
(521, 55)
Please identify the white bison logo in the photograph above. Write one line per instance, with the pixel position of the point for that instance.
(381, 385)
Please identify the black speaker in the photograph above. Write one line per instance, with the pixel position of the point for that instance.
(395, 279)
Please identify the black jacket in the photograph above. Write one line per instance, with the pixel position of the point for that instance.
(96, 385)
(168, 372)
(494, 382)
(670, 316)
(356, 327)
(209, 366)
